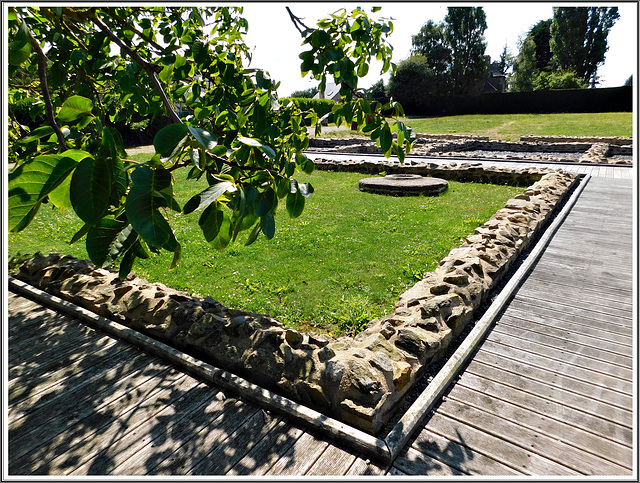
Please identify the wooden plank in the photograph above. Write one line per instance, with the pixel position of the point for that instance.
(496, 445)
(558, 412)
(265, 454)
(99, 432)
(364, 467)
(334, 461)
(557, 365)
(554, 378)
(240, 442)
(622, 297)
(532, 310)
(44, 362)
(602, 455)
(21, 325)
(591, 382)
(413, 462)
(567, 311)
(29, 377)
(547, 448)
(517, 325)
(300, 457)
(49, 420)
(36, 391)
(457, 456)
(161, 424)
(557, 293)
(549, 390)
(584, 355)
(170, 450)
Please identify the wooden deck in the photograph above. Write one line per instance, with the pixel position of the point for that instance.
(549, 392)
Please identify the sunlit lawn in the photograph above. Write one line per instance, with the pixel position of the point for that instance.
(511, 126)
(343, 262)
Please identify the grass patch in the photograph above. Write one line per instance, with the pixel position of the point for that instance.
(510, 127)
(342, 263)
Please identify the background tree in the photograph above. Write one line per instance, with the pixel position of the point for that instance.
(413, 82)
(464, 33)
(579, 38)
(533, 58)
(305, 93)
(430, 43)
(99, 66)
(454, 52)
(377, 92)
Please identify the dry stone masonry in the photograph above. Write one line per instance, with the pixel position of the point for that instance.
(558, 149)
(360, 380)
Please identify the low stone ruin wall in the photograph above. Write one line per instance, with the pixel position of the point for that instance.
(592, 150)
(464, 172)
(360, 380)
(615, 140)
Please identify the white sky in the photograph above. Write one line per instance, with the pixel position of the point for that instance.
(276, 43)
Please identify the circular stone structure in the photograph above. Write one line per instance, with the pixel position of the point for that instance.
(403, 185)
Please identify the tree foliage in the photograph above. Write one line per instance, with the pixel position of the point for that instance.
(579, 38)
(454, 51)
(464, 32)
(565, 50)
(98, 66)
(413, 81)
(533, 58)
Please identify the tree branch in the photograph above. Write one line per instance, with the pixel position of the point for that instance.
(123, 23)
(42, 74)
(149, 68)
(297, 23)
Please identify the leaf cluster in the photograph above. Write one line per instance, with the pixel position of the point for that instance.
(99, 66)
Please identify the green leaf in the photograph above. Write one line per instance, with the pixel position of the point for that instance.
(126, 265)
(109, 239)
(204, 138)
(386, 139)
(166, 140)
(208, 196)
(90, 189)
(268, 225)
(79, 234)
(38, 133)
(74, 108)
(142, 207)
(20, 46)
(295, 200)
(177, 255)
(211, 221)
(249, 141)
(32, 181)
(268, 150)
(253, 236)
(267, 200)
(60, 197)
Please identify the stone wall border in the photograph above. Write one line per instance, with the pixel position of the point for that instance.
(360, 380)
(383, 449)
(547, 149)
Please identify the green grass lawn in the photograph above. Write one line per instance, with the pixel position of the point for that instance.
(510, 127)
(343, 262)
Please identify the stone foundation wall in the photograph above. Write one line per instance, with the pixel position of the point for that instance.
(595, 150)
(616, 140)
(360, 380)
